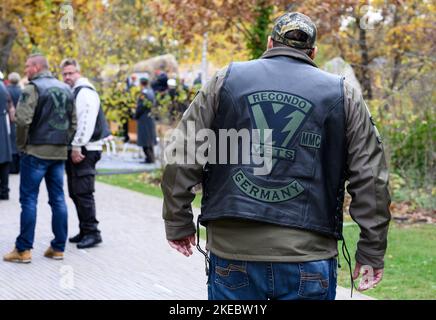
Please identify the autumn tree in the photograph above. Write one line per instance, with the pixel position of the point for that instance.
(251, 19)
(397, 33)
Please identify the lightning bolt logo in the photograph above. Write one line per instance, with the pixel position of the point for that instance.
(268, 107)
(296, 118)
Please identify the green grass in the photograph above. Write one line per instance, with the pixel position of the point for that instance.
(410, 262)
(134, 182)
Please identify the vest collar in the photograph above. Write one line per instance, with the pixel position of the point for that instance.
(288, 52)
(42, 74)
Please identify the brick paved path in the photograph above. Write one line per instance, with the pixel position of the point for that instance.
(133, 262)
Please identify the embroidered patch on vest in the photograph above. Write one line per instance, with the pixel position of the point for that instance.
(310, 139)
(285, 114)
(278, 153)
(282, 112)
(59, 119)
(276, 194)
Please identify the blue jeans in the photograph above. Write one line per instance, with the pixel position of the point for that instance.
(33, 170)
(247, 280)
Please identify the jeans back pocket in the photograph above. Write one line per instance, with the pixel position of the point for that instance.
(230, 273)
(314, 279)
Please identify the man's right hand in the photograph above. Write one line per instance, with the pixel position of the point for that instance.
(183, 245)
(370, 277)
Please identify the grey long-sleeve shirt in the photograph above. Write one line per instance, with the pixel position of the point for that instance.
(250, 240)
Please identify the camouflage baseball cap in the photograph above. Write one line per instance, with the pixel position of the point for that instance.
(294, 21)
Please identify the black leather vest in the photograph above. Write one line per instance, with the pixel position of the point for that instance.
(101, 129)
(304, 106)
(53, 114)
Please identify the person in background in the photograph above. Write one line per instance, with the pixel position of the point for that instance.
(125, 118)
(177, 107)
(46, 122)
(15, 93)
(6, 118)
(160, 84)
(86, 149)
(146, 125)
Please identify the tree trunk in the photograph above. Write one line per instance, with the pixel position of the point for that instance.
(7, 38)
(364, 63)
(397, 58)
(256, 42)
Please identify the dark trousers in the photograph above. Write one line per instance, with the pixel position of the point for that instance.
(4, 178)
(81, 187)
(126, 131)
(149, 154)
(15, 164)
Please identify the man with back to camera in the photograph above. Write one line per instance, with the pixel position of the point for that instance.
(275, 236)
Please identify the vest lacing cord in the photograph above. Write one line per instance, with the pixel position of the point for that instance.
(347, 257)
(205, 253)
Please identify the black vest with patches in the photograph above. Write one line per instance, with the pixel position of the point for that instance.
(101, 129)
(304, 107)
(53, 114)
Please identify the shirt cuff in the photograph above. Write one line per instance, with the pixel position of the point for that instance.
(179, 232)
(375, 261)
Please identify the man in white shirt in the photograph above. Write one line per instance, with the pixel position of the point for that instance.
(86, 149)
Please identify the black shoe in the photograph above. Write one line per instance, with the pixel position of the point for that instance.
(89, 241)
(4, 196)
(77, 238)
